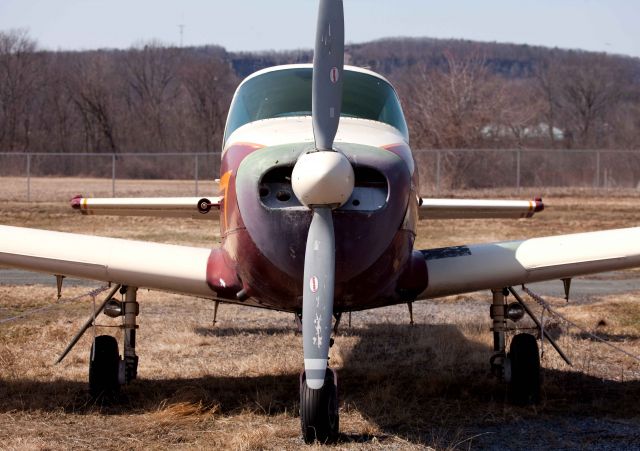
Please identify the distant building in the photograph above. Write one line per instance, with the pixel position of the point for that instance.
(540, 131)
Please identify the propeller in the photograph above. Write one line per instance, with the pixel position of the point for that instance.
(328, 64)
(322, 179)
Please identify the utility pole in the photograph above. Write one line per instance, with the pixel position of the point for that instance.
(181, 26)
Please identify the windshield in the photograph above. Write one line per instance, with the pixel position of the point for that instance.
(287, 92)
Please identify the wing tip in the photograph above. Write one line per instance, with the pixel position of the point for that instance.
(76, 202)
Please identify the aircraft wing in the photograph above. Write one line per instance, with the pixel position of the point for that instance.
(186, 207)
(478, 208)
(178, 269)
(462, 269)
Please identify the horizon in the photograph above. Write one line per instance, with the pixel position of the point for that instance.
(80, 25)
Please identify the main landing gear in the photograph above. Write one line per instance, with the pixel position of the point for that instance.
(107, 371)
(520, 367)
(319, 416)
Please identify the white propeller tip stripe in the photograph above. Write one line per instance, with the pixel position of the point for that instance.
(315, 364)
(315, 384)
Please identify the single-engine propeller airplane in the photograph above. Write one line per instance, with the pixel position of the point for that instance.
(318, 198)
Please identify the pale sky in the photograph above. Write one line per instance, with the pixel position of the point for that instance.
(612, 26)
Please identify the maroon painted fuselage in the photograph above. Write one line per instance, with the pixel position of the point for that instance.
(263, 225)
(262, 255)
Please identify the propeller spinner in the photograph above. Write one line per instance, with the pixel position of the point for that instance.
(322, 179)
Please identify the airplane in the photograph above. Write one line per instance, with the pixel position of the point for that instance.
(318, 211)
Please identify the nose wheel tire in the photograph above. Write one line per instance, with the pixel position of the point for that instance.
(104, 362)
(525, 370)
(319, 411)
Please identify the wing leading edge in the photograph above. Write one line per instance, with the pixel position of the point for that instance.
(178, 269)
(462, 269)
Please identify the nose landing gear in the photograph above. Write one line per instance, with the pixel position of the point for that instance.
(319, 415)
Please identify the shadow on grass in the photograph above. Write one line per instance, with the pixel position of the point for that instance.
(426, 383)
(618, 338)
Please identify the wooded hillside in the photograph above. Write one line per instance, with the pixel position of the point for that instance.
(456, 94)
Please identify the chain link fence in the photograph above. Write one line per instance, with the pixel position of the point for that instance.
(441, 171)
(446, 170)
(183, 174)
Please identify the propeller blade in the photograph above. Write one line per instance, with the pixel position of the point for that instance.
(328, 64)
(317, 303)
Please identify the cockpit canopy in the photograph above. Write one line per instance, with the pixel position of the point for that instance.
(286, 92)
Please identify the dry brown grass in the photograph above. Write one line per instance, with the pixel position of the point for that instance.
(61, 189)
(235, 386)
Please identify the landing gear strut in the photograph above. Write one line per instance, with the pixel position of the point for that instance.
(319, 416)
(520, 368)
(129, 366)
(106, 370)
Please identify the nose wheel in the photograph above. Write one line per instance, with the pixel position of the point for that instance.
(319, 415)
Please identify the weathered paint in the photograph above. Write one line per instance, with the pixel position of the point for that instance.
(266, 245)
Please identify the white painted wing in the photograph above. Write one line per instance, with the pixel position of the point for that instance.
(478, 208)
(179, 269)
(462, 269)
(185, 207)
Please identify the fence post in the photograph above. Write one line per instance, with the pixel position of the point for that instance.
(518, 169)
(196, 175)
(597, 169)
(113, 175)
(28, 177)
(438, 171)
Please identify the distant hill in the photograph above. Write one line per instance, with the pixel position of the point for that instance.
(391, 54)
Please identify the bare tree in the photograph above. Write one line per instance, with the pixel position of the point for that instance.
(91, 88)
(454, 108)
(210, 84)
(57, 125)
(583, 94)
(589, 88)
(19, 81)
(451, 107)
(547, 86)
(153, 90)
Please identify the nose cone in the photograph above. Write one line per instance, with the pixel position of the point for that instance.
(322, 178)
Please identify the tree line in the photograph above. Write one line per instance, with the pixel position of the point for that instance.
(456, 94)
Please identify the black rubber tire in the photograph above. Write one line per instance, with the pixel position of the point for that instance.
(319, 415)
(103, 369)
(525, 370)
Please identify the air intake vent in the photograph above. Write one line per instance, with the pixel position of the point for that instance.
(370, 192)
(369, 177)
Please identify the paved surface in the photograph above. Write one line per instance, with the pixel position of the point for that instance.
(615, 282)
(19, 277)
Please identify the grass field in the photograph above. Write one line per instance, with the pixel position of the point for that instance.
(235, 385)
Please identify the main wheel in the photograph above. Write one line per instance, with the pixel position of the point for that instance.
(525, 370)
(104, 363)
(319, 411)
